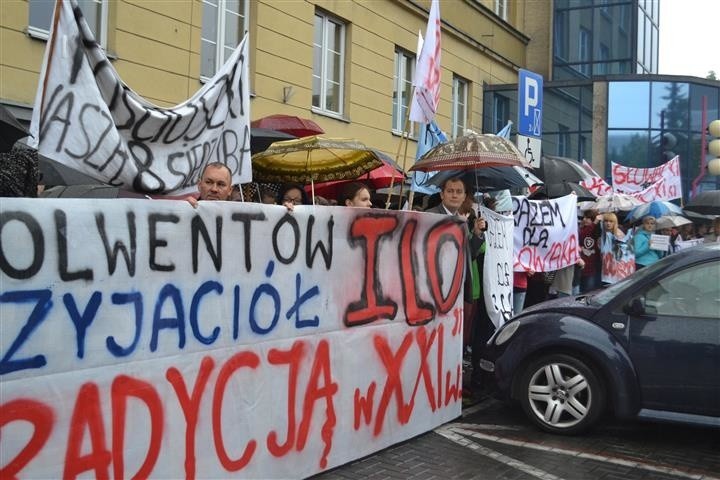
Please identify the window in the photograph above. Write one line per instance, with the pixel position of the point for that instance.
(602, 68)
(501, 8)
(94, 11)
(224, 23)
(560, 34)
(686, 294)
(501, 112)
(459, 106)
(583, 148)
(563, 141)
(328, 64)
(402, 89)
(584, 51)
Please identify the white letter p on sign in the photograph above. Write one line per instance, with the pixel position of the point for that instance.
(530, 100)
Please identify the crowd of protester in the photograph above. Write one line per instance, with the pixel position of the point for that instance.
(455, 198)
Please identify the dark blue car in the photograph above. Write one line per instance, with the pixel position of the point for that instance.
(646, 347)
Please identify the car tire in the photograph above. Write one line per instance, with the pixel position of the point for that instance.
(561, 394)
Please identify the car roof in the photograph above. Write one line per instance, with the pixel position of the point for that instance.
(708, 251)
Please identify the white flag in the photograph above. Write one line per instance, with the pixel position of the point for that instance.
(87, 118)
(427, 76)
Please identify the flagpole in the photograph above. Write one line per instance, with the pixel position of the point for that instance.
(403, 137)
(56, 19)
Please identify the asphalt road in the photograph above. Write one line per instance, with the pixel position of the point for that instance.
(495, 441)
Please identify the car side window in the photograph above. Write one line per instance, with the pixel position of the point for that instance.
(693, 292)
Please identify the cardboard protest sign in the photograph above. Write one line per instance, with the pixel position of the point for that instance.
(87, 118)
(545, 234)
(658, 183)
(498, 266)
(147, 339)
(660, 242)
(618, 257)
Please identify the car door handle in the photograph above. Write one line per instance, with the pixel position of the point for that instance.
(618, 325)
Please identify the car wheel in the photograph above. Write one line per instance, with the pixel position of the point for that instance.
(561, 394)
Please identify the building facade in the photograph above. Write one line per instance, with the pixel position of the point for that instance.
(348, 65)
(345, 64)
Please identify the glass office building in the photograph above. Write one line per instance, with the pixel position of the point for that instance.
(605, 102)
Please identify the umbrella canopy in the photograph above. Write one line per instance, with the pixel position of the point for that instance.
(296, 126)
(656, 209)
(490, 178)
(556, 190)
(262, 138)
(379, 177)
(670, 221)
(706, 203)
(54, 173)
(615, 202)
(560, 169)
(10, 130)
(314, 159)
(471, 151)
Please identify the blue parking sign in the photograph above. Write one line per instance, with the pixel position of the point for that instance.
(530, 95)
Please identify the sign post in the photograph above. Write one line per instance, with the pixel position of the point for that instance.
(530, 97)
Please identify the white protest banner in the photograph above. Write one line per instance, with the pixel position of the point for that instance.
(87, 118)
(663, 189)
(597, 185)
(427, 74)
(683, 244)
(147, 339)
(660, 242)
(546, 234)
(631, 179)
(498, 266)
(618, 257)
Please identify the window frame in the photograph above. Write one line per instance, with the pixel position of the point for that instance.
(584, 44)
(43, 34)
(563, 145)
(456, 103)
(322, 108)
(399, 75)
(220, 33)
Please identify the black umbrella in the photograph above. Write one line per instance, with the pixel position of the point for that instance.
(10, 130)
(488, 178)
(560, 169)
(555, 190)
(262, 138)
(706, 203)
(54, 173)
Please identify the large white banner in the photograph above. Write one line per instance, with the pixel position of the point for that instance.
(147, 339)
(658, 183)
(87, 118)
(546, 233)
(498, 266)
(597, 185)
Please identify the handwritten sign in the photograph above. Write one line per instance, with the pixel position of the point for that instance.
(618, 257)
(87, 118)
(658, 183)
(498, 266)
(545, 234)
(660, 242)
(147, 339)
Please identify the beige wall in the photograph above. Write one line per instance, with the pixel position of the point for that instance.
(156, 46)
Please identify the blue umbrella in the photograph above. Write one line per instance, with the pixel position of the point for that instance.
(656, 209)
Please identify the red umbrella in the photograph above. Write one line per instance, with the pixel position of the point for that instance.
(296, 126)
(379, 177)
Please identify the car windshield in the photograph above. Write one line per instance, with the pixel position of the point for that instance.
(604, 296)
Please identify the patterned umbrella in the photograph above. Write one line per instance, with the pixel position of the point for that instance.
(670, 221)
(471, 151)
(314, 159)
(615, 202)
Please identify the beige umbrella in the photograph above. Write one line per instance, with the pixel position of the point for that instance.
(670, 221)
